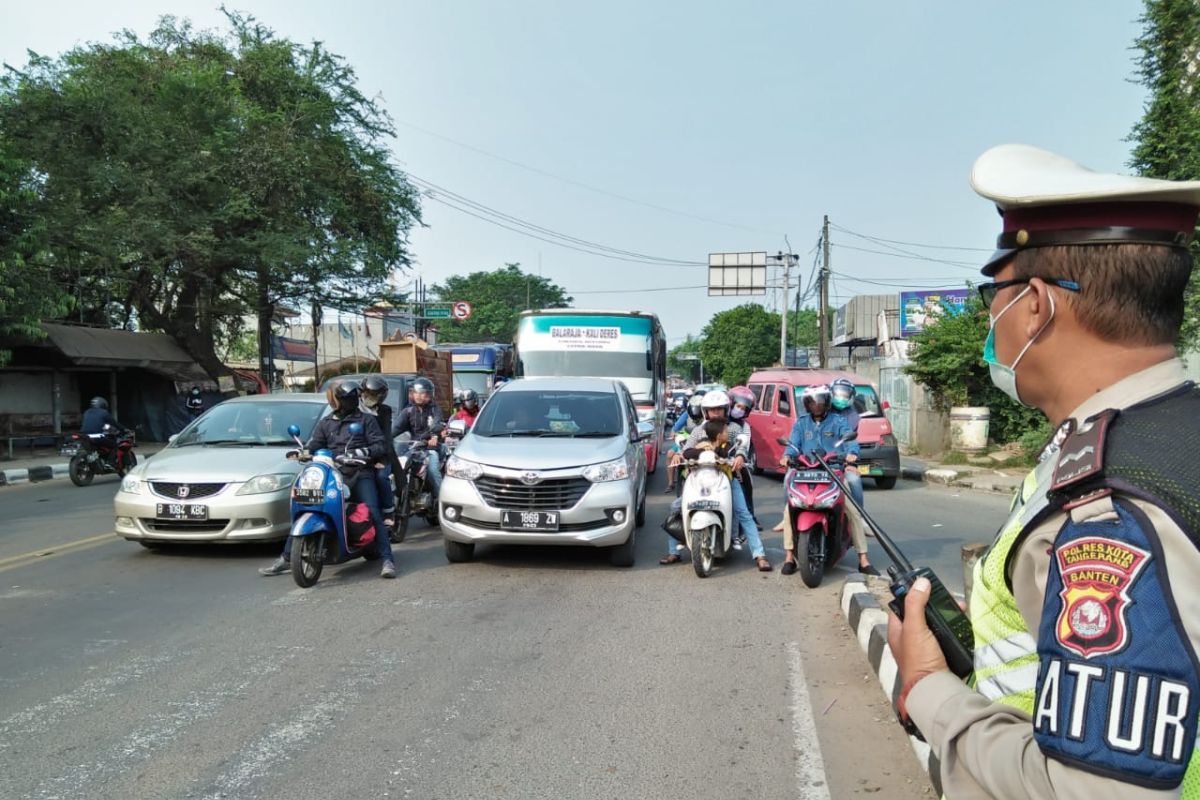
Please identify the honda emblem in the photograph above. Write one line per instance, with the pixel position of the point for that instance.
(183, 491)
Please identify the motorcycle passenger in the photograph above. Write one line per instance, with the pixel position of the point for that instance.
(742, 400)
(373, 391)
(715, 405)
(817, 431)
(842, 399)
(684, 424)
(94, 420)
(422, 419)
(333, 433)
(468, 407)
(195, 402)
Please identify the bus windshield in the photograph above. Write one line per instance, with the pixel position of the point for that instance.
(629, 368)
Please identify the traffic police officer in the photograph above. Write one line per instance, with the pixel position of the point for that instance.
(1085, 609)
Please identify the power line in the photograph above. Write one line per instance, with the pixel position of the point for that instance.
(911, 256)
(910, 244)
(580, 184)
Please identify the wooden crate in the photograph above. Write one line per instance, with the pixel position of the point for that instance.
(415, 357)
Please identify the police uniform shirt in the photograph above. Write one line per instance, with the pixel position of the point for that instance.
(989, 749)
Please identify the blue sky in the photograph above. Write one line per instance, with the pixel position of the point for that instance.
(748, 123)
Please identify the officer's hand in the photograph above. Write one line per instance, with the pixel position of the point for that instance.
(738, 463)
(916, 651)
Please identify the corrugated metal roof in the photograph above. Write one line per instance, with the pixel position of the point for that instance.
(112, 348)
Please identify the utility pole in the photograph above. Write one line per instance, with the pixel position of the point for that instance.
(783, 307)
(823, 314)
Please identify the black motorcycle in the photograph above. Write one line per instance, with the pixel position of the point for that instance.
(95, 454)
(416, 494)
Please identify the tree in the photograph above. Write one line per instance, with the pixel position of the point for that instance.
(947, 357)
(736, 342)
(688, 367)
(196, 177)
(803, 328)
(497, 298)
(29, 289)
(1167, 138)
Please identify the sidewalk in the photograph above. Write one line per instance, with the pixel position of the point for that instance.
(981, 479)
(45, 463)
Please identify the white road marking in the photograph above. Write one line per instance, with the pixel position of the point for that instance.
(810, 767)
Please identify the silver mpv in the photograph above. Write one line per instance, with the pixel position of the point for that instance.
(549, 461)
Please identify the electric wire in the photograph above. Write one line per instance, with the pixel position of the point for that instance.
(911, 256)
(881, 240)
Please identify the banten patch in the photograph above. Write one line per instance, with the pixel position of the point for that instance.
(1097, 573)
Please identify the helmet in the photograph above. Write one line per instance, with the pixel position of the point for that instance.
(373, 389)
(714, 399)
(470, 399)
(422, 385)
(741, 396)
(693, 407)
(99, 402)
(816, 395)
(195, 390)
(842, 392)
(342, 396)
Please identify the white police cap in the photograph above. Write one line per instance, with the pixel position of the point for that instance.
(1047, 200)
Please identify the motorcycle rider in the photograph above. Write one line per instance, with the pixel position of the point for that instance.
(333, 433)
(373, 391)
(94, 420)
(715, 405)
(422, 419)
(842, 396)
(684, 424)
(468, 407)
(195, 402)
(818, 431)
(742, 403)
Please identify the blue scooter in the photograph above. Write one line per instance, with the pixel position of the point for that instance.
(321, 530)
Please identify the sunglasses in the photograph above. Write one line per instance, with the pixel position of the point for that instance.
(988, 291)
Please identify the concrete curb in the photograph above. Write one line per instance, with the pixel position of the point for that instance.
(868, 622)
(949, 477)
(46, 472)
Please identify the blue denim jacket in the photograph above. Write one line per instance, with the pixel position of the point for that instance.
(809, 436)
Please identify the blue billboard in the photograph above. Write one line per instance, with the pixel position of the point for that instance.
(918, 309)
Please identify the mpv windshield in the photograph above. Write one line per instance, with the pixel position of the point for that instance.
(866, 402)
(550, 413)
(251, 424)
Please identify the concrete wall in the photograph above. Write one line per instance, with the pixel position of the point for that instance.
(917, 426)
(25, 392)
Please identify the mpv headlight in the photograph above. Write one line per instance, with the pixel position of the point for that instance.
(608, 471)
(461, 468)
(261, 484)
(131, 484)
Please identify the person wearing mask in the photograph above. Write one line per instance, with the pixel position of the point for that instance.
(373, 392)
(333, 433)
(715, 406)
(818, 431)
(422, 419)
(194, 402)
(842, 394)
(684, 424)
(1083, 609)
(741, 404)
(468, 407)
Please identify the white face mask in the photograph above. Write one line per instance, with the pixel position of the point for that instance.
(1005, 377)
(737, 412)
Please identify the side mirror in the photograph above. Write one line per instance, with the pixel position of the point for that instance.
(849, 437)
(885, 405)
(293, 430)
(175, 436)
(645, 430)
(782, 441)
(356, 428)
(457, 427)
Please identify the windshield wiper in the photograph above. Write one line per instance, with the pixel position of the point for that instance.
(223, 442)
(596, 434)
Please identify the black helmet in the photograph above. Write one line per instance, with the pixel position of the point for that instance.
(195, 390)
(422, 385)
(99, 402)
(374, 388)
(343, 397)
(470, 399)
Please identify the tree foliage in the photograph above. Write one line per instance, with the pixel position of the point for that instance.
(1167, 138)
(685, 367)
(497, 298)
(947, 357)
(803, 328)
(736, 342)
(198, 176)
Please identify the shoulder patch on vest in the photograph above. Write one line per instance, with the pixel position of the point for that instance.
(1117, 690)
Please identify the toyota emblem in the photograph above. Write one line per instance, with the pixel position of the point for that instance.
(530, 478)
(183, 491)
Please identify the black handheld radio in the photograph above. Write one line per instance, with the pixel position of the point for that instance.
(945, 618)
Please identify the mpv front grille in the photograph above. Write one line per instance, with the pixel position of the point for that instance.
(195, 490)
(553, 494)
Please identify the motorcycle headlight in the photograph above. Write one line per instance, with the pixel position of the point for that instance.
(461, 468)
(708, 479)
(131, 484)
(608, 471)
(311, 479)
(261, 484)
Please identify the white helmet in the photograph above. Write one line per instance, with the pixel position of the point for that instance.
(714, 399)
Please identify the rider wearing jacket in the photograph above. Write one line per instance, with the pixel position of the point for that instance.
(333, 433)
(422, 419)
(373, 391)
(469, 407)
(684, 424)
(842, 398)
(94, 420)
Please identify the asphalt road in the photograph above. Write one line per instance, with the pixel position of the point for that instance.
(530, 673)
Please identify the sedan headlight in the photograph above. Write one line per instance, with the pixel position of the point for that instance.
(261, 484)
(461, 468)
(608, 471)
(131, 484)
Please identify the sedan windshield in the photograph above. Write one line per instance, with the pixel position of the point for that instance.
(550, 413)
(251, 424)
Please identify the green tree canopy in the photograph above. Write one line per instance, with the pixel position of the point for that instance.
(1167, 138)
(497, 297)
(736, 342)
(687, 368)
(198, 176)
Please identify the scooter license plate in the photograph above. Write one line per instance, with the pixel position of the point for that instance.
(181, 511)
(546, 521)
(69, 450)
(813, 476)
